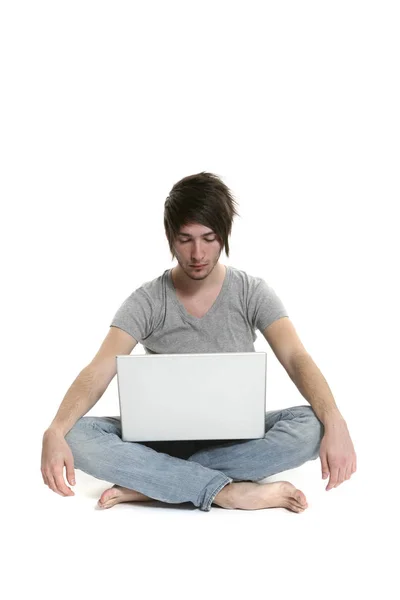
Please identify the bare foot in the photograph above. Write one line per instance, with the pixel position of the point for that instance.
(252, 496)
(117, 494)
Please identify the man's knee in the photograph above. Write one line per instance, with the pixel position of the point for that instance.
(79, 440)
(314, 430)
(82, 431)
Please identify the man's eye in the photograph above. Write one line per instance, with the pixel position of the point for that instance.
(185, 241)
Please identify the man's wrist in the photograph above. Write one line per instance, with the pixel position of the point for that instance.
(334, 420)
(54, 430)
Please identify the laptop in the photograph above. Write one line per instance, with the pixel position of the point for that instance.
(212, 396)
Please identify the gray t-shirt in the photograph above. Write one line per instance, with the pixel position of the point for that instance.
(155, 317)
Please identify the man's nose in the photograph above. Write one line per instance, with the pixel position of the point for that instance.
(197, 250)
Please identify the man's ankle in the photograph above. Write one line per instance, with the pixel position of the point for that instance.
(224, 496)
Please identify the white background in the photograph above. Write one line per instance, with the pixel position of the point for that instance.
(295, 105)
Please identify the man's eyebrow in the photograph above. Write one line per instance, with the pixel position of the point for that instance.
(204, 234)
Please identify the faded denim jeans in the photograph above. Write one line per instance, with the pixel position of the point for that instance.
(194, 470)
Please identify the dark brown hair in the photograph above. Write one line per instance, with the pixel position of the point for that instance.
(201, 198)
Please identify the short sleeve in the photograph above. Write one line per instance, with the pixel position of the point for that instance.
(135, 315)
(265, 306)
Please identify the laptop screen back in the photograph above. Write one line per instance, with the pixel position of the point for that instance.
(192, 396)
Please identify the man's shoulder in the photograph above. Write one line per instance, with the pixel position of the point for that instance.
(154, 284)
(243, 278)
(150, 289)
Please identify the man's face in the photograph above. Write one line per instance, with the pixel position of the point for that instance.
(197, 245)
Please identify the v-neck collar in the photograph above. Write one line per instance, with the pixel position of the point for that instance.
(217, 302)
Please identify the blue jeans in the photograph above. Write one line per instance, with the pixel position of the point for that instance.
(194, 470)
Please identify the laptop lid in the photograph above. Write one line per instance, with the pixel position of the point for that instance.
(192, 396)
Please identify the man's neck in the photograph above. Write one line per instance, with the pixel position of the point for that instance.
(192, 287)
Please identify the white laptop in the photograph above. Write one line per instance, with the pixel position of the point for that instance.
(211, 396)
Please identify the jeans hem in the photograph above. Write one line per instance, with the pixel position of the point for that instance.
(206, 506)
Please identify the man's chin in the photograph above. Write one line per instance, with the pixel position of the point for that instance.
(198, 273)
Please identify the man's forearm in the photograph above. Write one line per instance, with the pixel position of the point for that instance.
(313, 386)
(79, 399)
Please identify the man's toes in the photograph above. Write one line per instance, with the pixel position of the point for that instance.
(300, 498)
(108, 504)
(102, 502)
(107, 499)
(108, 495)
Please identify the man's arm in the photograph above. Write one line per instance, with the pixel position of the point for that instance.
(92, 381)
(82, 395)
(289, 350)
(337, 454)
(314, 388)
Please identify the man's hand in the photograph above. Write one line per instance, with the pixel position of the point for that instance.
(55, 454)
(337, 454)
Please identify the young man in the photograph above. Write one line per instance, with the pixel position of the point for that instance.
(199, 306)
